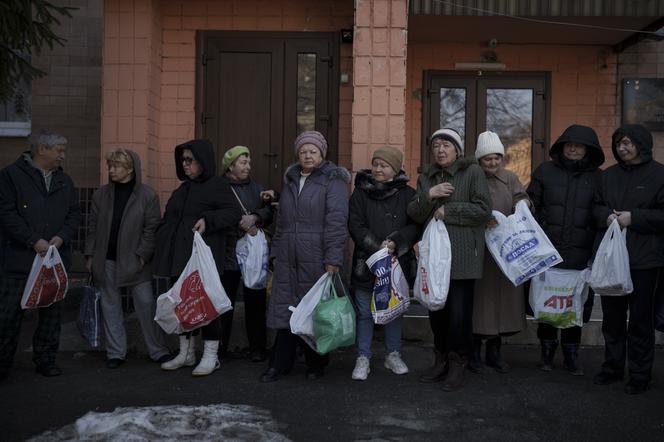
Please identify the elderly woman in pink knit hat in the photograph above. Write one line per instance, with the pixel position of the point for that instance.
(309, 240)
(499, 307)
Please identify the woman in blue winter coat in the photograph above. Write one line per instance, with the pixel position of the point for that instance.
(309, 240)
(377, 219)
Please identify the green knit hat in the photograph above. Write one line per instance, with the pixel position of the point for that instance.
(231, 155)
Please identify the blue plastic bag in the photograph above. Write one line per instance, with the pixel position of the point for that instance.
(90, 317)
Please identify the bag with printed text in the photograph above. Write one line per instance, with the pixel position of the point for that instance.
(557, 297)
(197, 297)
(389, 298)
(47, 282)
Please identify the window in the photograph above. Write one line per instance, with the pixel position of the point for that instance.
(16, 112)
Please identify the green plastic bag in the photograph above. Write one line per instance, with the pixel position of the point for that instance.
(334, 322)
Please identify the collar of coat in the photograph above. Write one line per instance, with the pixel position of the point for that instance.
(376, 190)
(326, 168)
(501, 175)
(460, 164)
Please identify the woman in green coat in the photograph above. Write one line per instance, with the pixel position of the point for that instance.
(454, 190)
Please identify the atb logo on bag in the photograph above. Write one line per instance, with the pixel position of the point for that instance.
(195, 306)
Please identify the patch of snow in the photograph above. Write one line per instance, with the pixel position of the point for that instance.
(171, 423)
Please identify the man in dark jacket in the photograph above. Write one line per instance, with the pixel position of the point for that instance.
(38, 208)
(562, 192)
(118, 249)
(632, 192)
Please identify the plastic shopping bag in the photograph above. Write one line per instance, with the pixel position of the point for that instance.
(557, 296)
(47, 282)
(334, 322)
(610, 270)
(390, 298)
(89, 321)
(302, 319)
(197, 297)
(519, 245)
(434, 265)
(252, 256)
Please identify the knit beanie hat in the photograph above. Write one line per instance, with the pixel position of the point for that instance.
(487, 144)
(391, 155)
(452, 136)
(231, 155)
(311, 137)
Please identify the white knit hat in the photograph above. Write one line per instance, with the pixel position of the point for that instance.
(452, 136)
(488, 143)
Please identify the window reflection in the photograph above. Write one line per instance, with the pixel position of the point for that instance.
(509, 113)
(306, 92)
(453, 110)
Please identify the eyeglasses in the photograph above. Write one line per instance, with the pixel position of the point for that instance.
(625, 143)
(187, 160)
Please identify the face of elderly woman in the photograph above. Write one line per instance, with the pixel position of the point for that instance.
(240, 168)
(192, 168)
(491, 163)
(444, 152)
(574, 151)
(309, 157)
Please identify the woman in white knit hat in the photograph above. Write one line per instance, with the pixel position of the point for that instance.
(499, 307)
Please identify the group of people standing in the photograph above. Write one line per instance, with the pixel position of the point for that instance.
(131, 247)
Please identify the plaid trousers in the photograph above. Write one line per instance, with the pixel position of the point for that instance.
(46, 339)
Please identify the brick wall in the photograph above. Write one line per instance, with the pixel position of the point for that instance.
(643, 60)
(166, 75)
(583, 84)
(67, 100)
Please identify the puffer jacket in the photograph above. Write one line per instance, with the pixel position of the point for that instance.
(208, 197)
(136, 236)
(638, 189)
(311, 231)
(562, 193)
(378, 212)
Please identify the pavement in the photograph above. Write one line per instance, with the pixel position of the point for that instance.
(525, 404)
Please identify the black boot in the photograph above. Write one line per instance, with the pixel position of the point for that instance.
(455, 378)
(475, 362)
(548, 352)
(438, 371)
(571, 355)
(493, 357)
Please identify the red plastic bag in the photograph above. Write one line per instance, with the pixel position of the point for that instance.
(47, 282)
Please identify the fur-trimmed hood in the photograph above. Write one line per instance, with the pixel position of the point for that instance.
(376, 190)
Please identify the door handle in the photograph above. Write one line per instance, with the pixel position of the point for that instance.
(271, 154)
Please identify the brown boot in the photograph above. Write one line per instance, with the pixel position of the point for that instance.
(455, 378)
(438, 371)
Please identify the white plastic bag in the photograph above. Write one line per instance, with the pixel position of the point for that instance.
(519, 245)
(434, 265)
(47, 282)
(390, 298)
(302, 319)
(197, 297)
(252, 256)
(557, 296)
(610, 274)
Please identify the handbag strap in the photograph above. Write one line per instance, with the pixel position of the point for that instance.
(246, 212)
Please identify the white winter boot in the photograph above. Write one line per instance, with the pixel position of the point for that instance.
(185, 358)
(209, 361)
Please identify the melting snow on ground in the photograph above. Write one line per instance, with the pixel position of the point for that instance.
(172, 423)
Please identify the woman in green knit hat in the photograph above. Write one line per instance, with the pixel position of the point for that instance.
(256, 213)
(454, 190)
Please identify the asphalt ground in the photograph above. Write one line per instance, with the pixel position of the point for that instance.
(525, 404)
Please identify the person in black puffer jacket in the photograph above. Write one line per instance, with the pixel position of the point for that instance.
(562, 192)
(256, 213)
(632, 192)
(377, 218)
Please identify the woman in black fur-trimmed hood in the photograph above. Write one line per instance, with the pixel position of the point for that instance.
(377, 218)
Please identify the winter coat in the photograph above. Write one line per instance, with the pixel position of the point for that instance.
(208, 197)
(638, 189)
(136, 237)
(378, 212)
(562, 193)
(29, 212)
(311, 231)
(249, 193)
(467, 211)
(498, 306)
